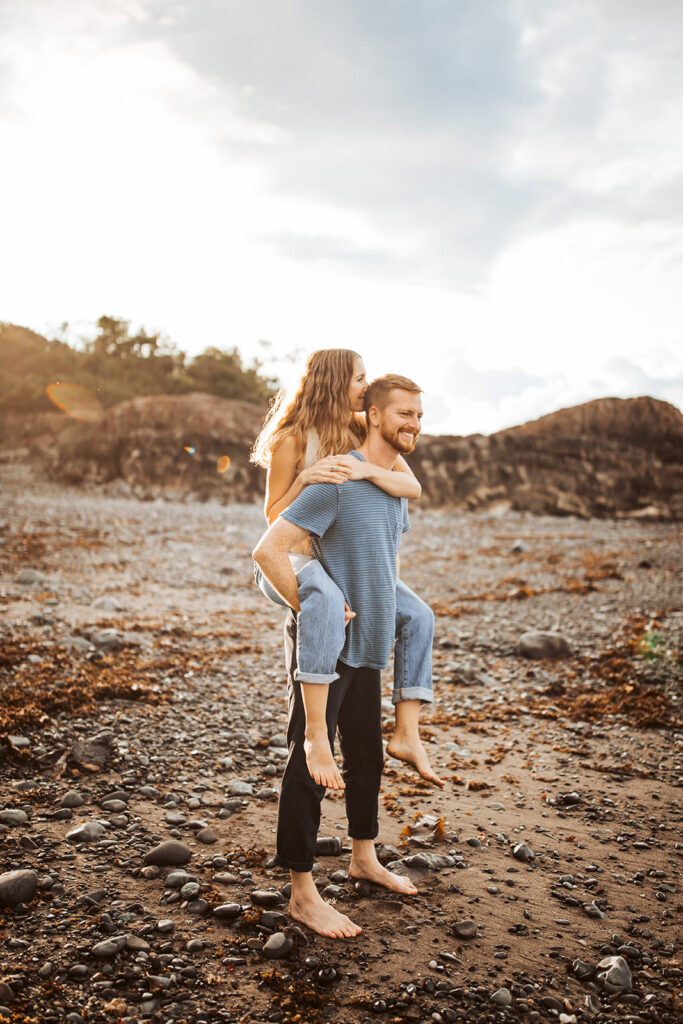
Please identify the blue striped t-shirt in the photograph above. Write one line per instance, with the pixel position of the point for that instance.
(355, 532)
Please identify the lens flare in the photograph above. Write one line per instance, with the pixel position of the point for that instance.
(222, 463)
(75, 400)
(190, 449)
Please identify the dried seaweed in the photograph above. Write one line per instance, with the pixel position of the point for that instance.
(31, 693)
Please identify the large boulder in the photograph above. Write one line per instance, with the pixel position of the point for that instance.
(171, 446)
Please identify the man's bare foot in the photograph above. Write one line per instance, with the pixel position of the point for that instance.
(372, 871)
(312, 910)
(412, 751)
(321, 763)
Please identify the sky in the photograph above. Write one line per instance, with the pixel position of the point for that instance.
(484, 195)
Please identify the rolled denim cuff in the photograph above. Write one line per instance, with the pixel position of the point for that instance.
(412, 693)
(313, 677)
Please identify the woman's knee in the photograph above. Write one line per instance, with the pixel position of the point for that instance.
(424, 614)
(412, 610)
(317, 587)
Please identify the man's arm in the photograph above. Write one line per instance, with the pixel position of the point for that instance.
(271, 554)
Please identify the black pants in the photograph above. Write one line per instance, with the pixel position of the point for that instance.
(353, 707)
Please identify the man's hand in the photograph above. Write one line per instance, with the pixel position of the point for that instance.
(348, 615)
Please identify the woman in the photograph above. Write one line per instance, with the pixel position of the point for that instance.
(303, 441)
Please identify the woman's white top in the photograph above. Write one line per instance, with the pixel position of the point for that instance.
(312, 447)
(301, 557)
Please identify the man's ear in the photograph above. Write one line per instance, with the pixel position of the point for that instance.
(373, 415)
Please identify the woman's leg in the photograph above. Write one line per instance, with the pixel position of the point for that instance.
(321, 626)
(319, 756)
(412, 679)
(321, 635)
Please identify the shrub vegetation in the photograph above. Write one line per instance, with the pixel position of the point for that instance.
(117, 365)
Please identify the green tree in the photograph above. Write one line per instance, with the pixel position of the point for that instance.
(221, 372)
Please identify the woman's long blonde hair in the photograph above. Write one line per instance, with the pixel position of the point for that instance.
(321, 401)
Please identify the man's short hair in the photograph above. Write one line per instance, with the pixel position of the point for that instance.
(379, 390)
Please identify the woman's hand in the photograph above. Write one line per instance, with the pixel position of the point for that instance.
(333, 469)
(357, 469)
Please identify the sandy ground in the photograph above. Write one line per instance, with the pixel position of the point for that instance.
(145, 626)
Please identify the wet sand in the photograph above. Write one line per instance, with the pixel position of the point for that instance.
(142, 626)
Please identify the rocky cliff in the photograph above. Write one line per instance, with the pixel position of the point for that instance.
(609, 457)
(175, 446)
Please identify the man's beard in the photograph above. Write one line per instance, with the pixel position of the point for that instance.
(397, 442)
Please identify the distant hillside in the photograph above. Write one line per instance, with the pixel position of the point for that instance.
(117, 365)
(610, 457)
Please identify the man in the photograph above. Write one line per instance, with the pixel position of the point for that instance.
(355, 531)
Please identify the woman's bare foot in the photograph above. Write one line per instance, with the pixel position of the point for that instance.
(371, 870)
(411, 750)
(321, 763)
(310, 909)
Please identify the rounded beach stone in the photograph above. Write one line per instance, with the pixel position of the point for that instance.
(465, 929)
(240, 788)
(17, 887)
(13, 816)
(616, 974)
(207, 836)
(72, 798)
(109, 947)
(170, 852)
(266, 897)
(30, 577)
(278, 946)
(176, 879)
(86, 832)
(543, 645)
(227, 911)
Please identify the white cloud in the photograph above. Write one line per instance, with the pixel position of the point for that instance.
(460, 191)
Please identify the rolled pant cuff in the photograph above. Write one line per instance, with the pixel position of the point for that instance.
(292, 865)
(314, 677)
(412, 693)
(364, 835)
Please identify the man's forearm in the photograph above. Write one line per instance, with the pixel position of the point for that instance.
(277, 568)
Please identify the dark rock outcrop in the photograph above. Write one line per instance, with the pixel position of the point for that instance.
(173, 446)
(610, 457)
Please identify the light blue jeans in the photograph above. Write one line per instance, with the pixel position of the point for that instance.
(321, 633)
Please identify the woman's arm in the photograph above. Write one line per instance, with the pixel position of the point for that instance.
(284, 484)
(400, 481)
